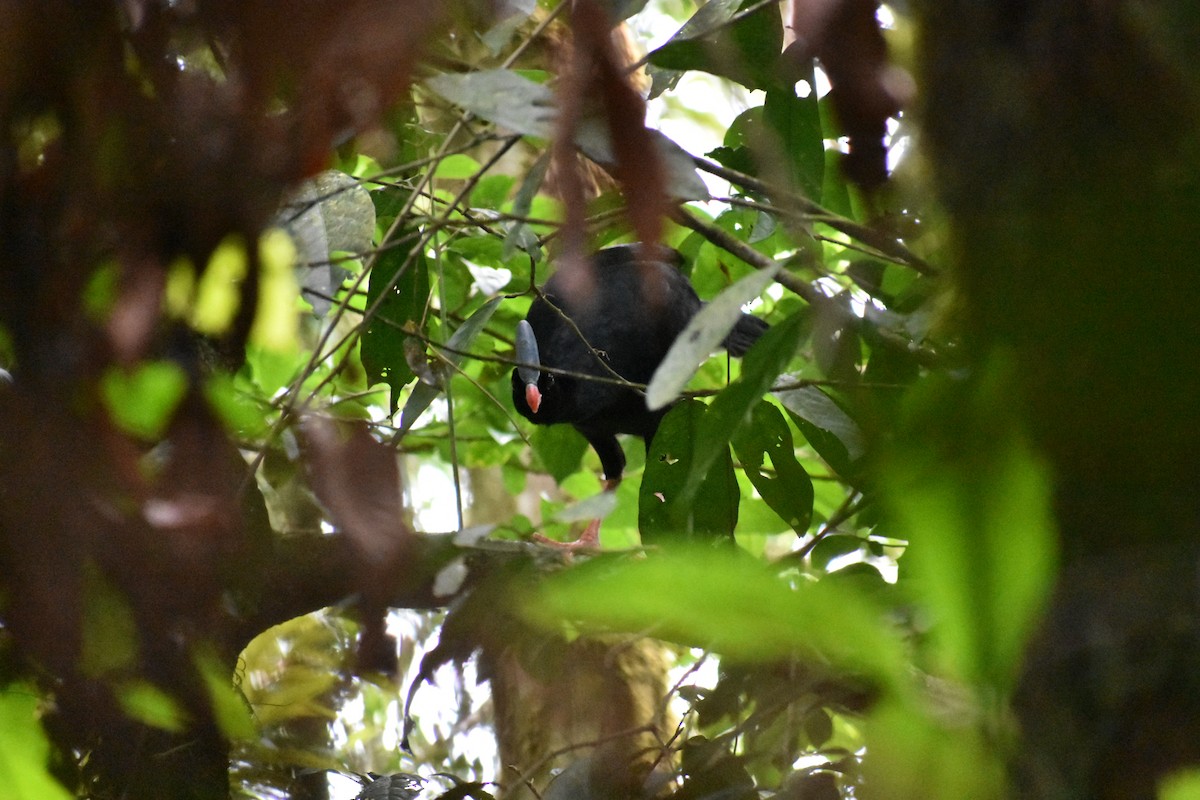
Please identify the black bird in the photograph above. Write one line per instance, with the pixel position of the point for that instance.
(614, 320)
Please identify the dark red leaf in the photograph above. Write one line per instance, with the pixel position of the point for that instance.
(865, 89)
(358, 482)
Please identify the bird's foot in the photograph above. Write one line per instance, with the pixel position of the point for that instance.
(588, 541)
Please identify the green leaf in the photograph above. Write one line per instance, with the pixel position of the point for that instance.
(663, 515)
(560, 448)
(966, 489)
(147, 703)
(769, 356)
(143, 399)
(458, 166)
(24, 749)
(830, 430)
(330, 212)
(110, 641)
(501, 96)
(404, 286)
(230, 709)
(768, 439)
(796, 123)
(702, 336)
(721, 40)
(1183, 785)
(423, 394)
(728, 602)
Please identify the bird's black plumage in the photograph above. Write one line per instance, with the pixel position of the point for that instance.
(627, 310)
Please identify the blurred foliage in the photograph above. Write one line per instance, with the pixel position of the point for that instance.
(847, 539)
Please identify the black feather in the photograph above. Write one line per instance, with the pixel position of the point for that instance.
(627, 311)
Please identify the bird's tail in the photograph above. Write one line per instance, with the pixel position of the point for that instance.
(744, 333)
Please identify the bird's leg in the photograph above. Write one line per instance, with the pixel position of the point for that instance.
(589, 540)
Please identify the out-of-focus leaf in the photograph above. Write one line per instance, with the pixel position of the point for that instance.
(683, 182)
(728, 603)
(24, 749)
(598, 506)
(147, 703)
(229, 708)
(831, 431)
(846, 38)
(357, 480)
(638, 164)
(981, 545)
(913, 756)
(974, 501)
(330, 212)
(501, 96)
(216, 292)
(405, 294)
(142, 400)
(663, 513)
(110, 641)
(769, 356)
(276, 322)
(458, 166)
(702, 336)
(509, 16)
(423, 394)
(1183, 785)
(560, 449)
(786, 488)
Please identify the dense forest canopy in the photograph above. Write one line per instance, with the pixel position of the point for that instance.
(263, 267)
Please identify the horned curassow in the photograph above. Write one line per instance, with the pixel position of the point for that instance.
(614, 317)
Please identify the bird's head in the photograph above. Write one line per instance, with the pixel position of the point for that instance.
(526, 375)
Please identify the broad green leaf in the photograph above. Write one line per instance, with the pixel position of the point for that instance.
(110, 640)
(917, 758)
(728, 602)
(24, 749)
(664, 515)
(143, 399)
(147, 703)
(1183, 785)
(423, 394)
(560, 448)
(216, 297)
(702, 336)
(974, 501)
(501, 96)
(330, 212)
(230, 710)
(769, 356)
(796, 123)
(404, 285)
(829, 429)
(767, 441)
(276, 319)
(722, 40)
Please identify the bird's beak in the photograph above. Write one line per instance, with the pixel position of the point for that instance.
(533, 397)
(527, 353)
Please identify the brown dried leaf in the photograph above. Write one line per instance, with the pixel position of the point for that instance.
(639, 165)
(358, 482)
(865, 89)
